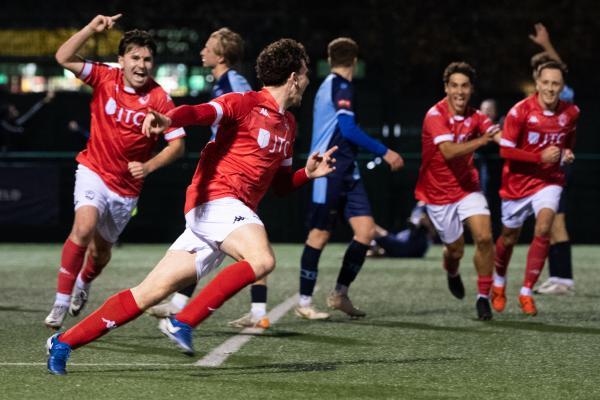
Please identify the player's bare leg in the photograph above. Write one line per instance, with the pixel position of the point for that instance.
(536, 257)
(98, 255)
(481, 230)
(364, 232)
(453, 253)
(73, 254)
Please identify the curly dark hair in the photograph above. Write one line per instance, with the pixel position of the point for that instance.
(459, 67)
(138, 38)
(278, 60)
(342, 52)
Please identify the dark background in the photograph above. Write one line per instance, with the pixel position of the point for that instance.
(405, 47)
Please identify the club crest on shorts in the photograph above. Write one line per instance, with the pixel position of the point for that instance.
(89, 194)
(263, 138)
(533, 137)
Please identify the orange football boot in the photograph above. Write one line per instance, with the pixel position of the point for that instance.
(498, 298)
(528, 305)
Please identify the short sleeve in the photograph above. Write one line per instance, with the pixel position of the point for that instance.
(94, 73)
(485, 124)
(437, 126)
(513, 124)
(342, 95)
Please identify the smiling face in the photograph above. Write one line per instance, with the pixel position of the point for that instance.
(549, 84)
(137, 65)
(458, 90)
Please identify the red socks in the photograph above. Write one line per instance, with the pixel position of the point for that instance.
(484, 284)
(227, 283)
(536, 257)
(503, 254)
(70, 265)
(91, 270)
(116, 311)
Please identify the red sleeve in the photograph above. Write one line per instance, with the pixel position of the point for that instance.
(511, 131)
(570, 142)
(200, 114)
(94, 73)
(437, 126)
(164, 104)
(485, 124)
(512, 153)
(286, 181)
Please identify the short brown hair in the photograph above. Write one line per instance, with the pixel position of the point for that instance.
(459, 67)
(550, 65)
(278, 60)
(342, 52)
(230, 45)
(138, 38)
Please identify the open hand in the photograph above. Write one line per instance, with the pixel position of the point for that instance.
(319, 165)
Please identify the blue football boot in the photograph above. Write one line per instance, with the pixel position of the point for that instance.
(179, 333)
(58, 354)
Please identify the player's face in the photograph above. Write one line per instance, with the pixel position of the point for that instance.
(549, 85)
(459, 90)
(209, 55)
(137, 65)
(299, 84)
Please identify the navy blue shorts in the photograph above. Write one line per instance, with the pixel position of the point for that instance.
(343, 196)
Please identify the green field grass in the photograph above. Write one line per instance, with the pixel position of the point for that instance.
(417, 341)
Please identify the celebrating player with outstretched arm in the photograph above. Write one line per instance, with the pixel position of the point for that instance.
(449, 183)
(538, 136)
(115, 161)
(252, 151)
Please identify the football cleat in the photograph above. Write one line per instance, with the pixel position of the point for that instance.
(527, 305)
(163, 310)
(178, 332)
(78, 301)
(456, 286)
(310, 312)
(248, 321)
(553, 287)
(58, 354)
(484, 312)
(57, 315)
(498, 298)
(343, 303)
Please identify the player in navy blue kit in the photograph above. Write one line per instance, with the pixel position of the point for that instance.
(342, 193)
(223, 49)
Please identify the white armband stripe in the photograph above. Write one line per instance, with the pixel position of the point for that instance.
(219, 111)
(287, 162)
(175, 134)
(448, 137)
(86, 70)
(507, 143)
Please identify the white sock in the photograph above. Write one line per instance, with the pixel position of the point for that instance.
(479, 295)
(258, 310)
(499, 281)
(62, 299)
(305, 301)
(525, 291)
(179, 300)
(81, 284)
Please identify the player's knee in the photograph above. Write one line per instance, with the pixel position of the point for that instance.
(317, 238)
(484, 241)
(82, 233)
(262, 265)
(454, 252)
(366, 235)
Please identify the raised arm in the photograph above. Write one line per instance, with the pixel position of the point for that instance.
(66, 55)
(542, 39)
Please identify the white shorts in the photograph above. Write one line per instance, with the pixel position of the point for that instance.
(207, 226)
(515, 212)
(448, 218)
(114, 210)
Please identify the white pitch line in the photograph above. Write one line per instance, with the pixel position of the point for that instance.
(216, 357)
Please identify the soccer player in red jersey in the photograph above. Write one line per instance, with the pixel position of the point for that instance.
(538, 136)
(448, 181)
(252, 151)
(116, 159)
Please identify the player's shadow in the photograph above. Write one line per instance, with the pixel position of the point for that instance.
(417, 325)
(304, 337)
(20, 309)
(542, 327)
(127, 347)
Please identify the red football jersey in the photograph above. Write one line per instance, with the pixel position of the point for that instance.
(444, 181)
(115, 129)
(528, 127)
(254, 139)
